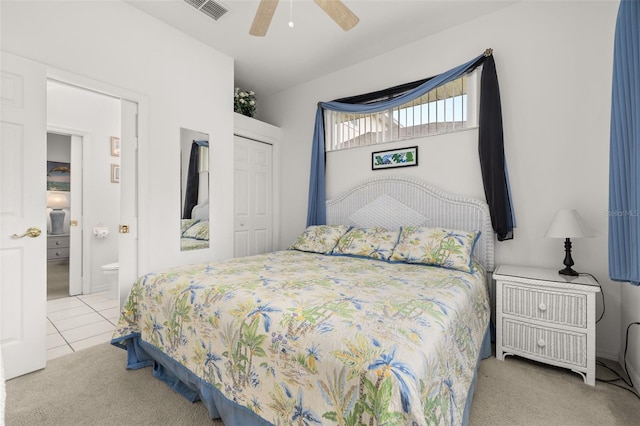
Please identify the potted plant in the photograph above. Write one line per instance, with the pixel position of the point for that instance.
(244, 102)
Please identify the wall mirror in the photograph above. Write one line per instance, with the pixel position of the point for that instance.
(194, 200)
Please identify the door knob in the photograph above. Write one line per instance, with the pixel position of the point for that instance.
(123, 229)
(31, 232)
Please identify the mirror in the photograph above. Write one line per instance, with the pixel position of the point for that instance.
(194, 200)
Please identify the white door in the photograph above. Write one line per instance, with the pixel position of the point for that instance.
(23, 206)
(253, 198)
(75, 225)
(128, 240)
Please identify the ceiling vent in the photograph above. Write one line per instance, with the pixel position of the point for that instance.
(210, 8)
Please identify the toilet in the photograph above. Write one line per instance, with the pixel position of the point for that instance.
(110, 271)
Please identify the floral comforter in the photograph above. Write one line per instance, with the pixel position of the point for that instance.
(303, 338)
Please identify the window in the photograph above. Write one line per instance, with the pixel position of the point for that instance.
(448, 108)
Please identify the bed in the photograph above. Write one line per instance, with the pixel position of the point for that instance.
(348, 326)
(194, 232)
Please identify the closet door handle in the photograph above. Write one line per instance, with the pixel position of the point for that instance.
(31, 233)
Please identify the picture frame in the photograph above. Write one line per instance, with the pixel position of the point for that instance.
(401, 157)
(58, 176)
(115, 173)
(115, 146)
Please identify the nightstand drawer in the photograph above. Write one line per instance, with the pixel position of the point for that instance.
(58, 253)
(56, 242)
(544, 343)
(557, 307)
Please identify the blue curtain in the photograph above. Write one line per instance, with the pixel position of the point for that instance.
(491, 149)
(624, 162)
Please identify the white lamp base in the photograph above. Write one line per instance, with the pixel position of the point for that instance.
(57, 221)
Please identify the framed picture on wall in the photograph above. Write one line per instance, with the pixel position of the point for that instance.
(402, 157)
(115, 146)
(115, 173)
(58, 176)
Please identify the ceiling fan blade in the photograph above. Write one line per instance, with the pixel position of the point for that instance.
(339, 13)
(261, 21)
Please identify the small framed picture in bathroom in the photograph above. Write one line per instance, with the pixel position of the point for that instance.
(115, 146)
(115, 173)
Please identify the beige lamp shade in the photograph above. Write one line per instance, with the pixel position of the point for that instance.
(567, 224)
(56, 200)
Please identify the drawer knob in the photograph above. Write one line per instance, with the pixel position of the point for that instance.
(57, 253)
(541, 343)
(542, 307)
(58, 242)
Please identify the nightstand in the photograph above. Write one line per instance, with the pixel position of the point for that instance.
(547, 317)
(57, 247)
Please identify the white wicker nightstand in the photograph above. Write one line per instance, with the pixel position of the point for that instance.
(547, 317)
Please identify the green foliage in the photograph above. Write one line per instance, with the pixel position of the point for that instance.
(377, 402)
(331, 415)
(244, 102)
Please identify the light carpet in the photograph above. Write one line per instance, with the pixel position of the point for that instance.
(92, 387)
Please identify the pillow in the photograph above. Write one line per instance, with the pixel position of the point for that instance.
(186, 224)
(319, 238)
(448, 248)
(199, 231)
(376, 243)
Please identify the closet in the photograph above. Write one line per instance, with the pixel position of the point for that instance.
(256, 198)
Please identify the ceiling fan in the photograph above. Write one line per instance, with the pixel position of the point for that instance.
(337, 10)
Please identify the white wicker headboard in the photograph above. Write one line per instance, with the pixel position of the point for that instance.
(395, 201)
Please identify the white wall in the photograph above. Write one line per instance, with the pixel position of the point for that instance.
(58, 148)
(97, 118)
(631, 314)
(554, 62)
(116, 44)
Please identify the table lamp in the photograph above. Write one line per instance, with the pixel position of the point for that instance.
(567, 224)
(57, 202)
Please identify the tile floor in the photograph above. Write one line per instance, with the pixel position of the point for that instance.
(79, 322)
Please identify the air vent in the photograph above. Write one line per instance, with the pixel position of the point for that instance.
(210, 8)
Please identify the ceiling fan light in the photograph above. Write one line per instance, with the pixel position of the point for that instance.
(336, 9)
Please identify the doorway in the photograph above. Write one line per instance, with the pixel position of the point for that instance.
(83, 140)
(58, 214)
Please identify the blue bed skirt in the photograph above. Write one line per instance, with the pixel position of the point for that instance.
(141, 354)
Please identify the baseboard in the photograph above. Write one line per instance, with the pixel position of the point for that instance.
(606, 354)
(99, 289)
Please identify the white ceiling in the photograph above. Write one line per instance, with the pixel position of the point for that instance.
(316, 46)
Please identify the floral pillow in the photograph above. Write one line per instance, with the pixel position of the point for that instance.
(199, 231)
(376, 243)
(320, 238)
(186, 224)
(448, 248)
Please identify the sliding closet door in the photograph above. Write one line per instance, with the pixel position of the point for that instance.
(253, 201)
(23, 224)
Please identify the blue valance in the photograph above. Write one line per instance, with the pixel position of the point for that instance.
(624, 162)
(490, 143)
